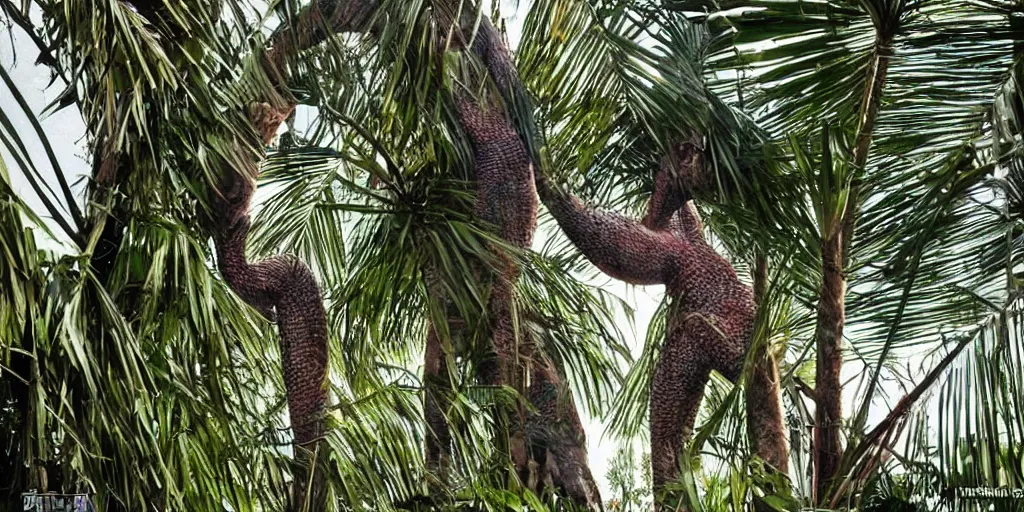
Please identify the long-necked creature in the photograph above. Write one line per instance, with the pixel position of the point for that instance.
(506, 198)
(711, 317)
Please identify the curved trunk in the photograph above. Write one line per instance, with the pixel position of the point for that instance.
(712, 318)
(283, 287)
(766, 427)
(621, 247)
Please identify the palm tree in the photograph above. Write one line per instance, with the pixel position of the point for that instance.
(902, 49)
(814, 73)
(885, 165)
(179, 67)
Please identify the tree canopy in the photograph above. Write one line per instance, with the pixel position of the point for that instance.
(870, 144)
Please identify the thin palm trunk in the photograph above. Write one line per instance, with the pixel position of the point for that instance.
(828, 390)
(831, 315)
(766, 427)
(435, 402)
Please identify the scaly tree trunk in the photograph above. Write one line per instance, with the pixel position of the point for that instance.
(283, 287)
(712, 315)
(506, 197)
(557, 440)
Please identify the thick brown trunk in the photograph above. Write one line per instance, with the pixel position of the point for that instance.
(283, 287)
(557, 441)
(507, 199)
(828, 388)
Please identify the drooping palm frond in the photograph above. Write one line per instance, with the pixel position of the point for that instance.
(157, 369)
(623, 89)
(799, 64)
(577, 331)
(62, 208)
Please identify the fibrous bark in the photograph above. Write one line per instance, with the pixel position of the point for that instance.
(558, 443)
(766, 429)
(835, 249)
(829, 340)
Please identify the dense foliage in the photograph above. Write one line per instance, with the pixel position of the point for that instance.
(130, 370)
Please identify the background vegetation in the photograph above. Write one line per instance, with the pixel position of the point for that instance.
(130, 370)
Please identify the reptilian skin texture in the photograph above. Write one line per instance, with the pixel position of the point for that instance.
(670, 193)
(286, 284)
(712, 315)
(711, 318)
(507, 198)
(282, 287)
(557, 423)
(621, 247)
